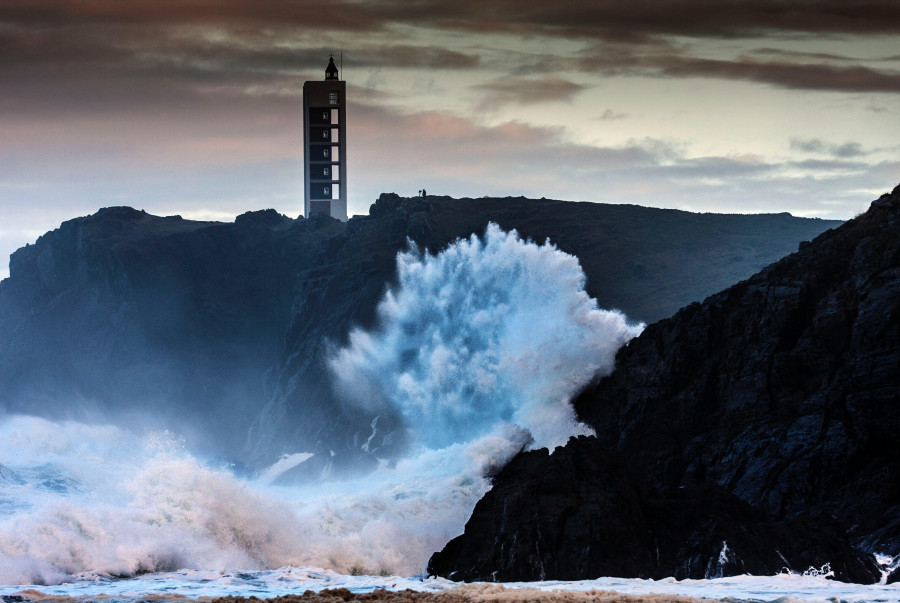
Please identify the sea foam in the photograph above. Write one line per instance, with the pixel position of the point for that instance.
(479, 349)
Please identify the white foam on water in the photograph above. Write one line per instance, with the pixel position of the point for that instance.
(479, 349)
(194, 584)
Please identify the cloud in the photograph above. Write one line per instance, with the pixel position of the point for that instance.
(343, 15)
(526, 91)
(449, 154)
(819, 146)
(829, 165)
(103, 98)
(458, 154)
(850, 149)
(423, 57)
(584, 18)
(798, 76)
(701, 18)
(102, 52)
(666, 59)
(813, 56)
(610, 115)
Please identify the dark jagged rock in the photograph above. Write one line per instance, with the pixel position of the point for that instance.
(784, 389)
(576, 515)
(163, 322)
(123, 314)
(767, 417)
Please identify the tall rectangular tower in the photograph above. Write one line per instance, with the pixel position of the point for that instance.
(325, 145)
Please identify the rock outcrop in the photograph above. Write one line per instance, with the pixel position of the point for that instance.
(225, 329)
(779, 398)
(576, 515)
(152, 322)
(784, 389)
(645, 262)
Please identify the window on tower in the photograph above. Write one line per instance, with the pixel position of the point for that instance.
(333, 98)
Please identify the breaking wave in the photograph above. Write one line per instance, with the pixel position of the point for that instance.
(478, 349)
(490, 331)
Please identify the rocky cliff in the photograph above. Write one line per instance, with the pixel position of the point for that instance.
(577, 515)
(221, 331)
(778, 399)
(646, 262)
(153, 322)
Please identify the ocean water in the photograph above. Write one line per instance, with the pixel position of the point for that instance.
(196, 585)
(479, 349)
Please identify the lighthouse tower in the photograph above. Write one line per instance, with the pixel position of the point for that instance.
(325, 145)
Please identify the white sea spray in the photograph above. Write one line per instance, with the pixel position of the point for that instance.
(479, 349)
(491, 330)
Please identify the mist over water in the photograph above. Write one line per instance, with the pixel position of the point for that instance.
(479, 349)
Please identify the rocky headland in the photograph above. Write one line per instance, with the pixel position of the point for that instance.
(223, 330)
(753, 432)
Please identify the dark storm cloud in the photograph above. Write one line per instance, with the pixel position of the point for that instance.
(140, 47)
(526, 91)
(92, 69)
(817, 56)
(720, 18)
(717, 18)
(666, 60)
(799, 76)
(630, 38)
(323, 14)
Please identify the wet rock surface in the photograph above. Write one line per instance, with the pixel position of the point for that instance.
(764, 417)
(575, 515)
(893, 577)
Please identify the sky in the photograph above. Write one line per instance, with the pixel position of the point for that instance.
(194, 107)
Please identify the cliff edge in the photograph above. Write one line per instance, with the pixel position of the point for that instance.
(760, 425)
